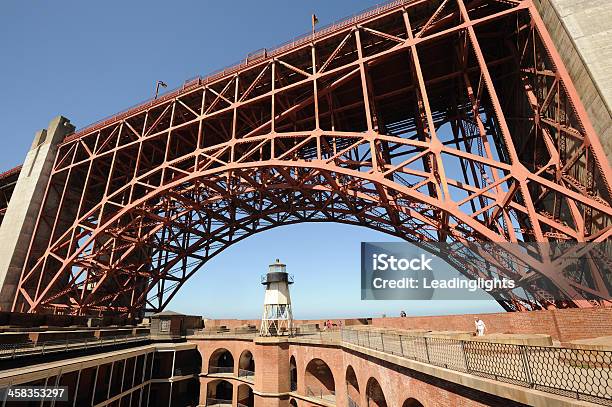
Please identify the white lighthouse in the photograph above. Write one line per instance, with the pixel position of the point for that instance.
(277, 317)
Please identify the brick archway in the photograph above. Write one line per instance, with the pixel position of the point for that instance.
(245, 395)
(319, 379)
(412, 402)
(246, 363)
(374, 394)
(219, 391)
(293, 374)
(221, 361)
(352, 385)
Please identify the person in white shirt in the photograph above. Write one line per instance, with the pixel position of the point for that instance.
(480, 326)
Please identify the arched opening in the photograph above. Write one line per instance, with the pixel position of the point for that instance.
(293, 374)
(352, 387)
(245, 396)
(293, 403)
(246, 365)
(319, 380)
(221, 361)
(219, 393)
(374, 394)
(412, 402)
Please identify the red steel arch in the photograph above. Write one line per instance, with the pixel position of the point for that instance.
(435, 121)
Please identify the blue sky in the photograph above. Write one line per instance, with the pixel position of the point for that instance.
(87, 60)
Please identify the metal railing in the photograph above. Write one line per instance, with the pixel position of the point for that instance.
(10, 172)
(220, 369)
(218, 402)
(247, 374)
(12, 351)
(328, 335)
(265, 277)
(577, 373)
(243, 63)
(320, 393)
(204, 333)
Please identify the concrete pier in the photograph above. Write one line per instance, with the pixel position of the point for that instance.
(582, 33)
(20, 219)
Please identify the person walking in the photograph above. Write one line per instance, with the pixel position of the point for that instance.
(480, 326)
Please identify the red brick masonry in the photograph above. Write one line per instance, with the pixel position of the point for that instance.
(564, 325)
(398, 386)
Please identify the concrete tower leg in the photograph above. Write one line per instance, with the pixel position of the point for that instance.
(582, 33)
(20, 219)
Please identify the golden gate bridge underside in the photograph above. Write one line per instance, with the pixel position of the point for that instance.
(435, 121)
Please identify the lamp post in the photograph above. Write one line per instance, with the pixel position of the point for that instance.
(159, 83)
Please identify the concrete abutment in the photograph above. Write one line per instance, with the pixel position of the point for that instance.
(22, 213)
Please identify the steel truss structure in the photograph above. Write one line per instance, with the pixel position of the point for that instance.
(431, 120)
(8, 180)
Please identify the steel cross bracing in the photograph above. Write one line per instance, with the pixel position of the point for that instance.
(435, 121)
(8, 180)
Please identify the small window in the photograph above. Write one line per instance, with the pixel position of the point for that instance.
(164, 325)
